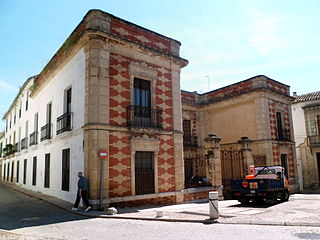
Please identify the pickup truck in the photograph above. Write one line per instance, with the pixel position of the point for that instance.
(268, 184)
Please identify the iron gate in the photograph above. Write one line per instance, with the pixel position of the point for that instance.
(232, 167)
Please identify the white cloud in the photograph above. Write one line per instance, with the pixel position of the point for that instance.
(265, 30)
(4, 86)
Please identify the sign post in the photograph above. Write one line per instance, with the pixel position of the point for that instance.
(103, 155)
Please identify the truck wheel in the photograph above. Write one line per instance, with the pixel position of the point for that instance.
(243, 201)
(285, 196)
(272, 198)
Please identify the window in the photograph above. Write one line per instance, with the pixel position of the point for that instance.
(25, 171)
(144, 173)
(20, 109)
(318, 124)
(4, 172)
(49, 112)
(34, 135)
(284, 163)
(8, 171)
(142, 93)
(18, 171)
(67, 101)
(47, 170)
(12, 171)
(34, 171)
(280, 133)
(64, 121)
(27, 102)
(65, 169)
(1, 150)
(46, 129)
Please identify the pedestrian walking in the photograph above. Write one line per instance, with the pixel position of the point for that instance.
(82, 193)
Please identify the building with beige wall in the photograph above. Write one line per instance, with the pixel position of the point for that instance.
(306, 122)
(258, 109)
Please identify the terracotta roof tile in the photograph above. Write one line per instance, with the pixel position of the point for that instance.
(307, 97)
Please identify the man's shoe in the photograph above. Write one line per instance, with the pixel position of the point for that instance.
(87, 209)
(74, 209)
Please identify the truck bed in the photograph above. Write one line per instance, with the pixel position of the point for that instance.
(256, 185)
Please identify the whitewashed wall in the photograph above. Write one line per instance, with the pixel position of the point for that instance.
(72, 74)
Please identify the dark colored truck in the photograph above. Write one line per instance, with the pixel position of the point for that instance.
(267, 184)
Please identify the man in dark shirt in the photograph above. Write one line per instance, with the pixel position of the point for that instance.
(82, 193)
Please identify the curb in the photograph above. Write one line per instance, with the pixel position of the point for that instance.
(206, 221)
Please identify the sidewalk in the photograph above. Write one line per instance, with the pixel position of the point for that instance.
(300, 210)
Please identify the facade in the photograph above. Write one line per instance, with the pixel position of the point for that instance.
(1, 152)
(254, 121)
(112, 85)
(306, 122)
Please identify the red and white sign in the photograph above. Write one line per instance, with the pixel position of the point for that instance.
(103, 154)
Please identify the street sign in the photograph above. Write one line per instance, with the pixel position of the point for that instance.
(103, 154)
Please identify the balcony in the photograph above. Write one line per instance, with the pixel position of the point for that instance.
(190, 141)
(33, 138)
(64, 123)
(46, 132)
(24, 143)
(138, 116)
(314, 140)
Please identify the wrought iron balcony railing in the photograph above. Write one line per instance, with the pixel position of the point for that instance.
(24, 143)
(46, 132)
(64, 123)
(33, 138)
(138, 116)
(190, 141)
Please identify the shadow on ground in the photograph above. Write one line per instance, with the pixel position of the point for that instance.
(18, 210)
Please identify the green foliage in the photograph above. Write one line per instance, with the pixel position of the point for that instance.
(8, 150)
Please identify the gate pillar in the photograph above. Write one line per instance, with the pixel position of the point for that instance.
(214, 173)
(246, 149)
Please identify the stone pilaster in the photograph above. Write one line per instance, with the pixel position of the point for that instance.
(214, 173)
(246, 148)
(96, 137)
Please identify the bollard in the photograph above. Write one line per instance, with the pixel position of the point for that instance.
(213, 205)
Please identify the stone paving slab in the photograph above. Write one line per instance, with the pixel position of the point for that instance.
(300, 210)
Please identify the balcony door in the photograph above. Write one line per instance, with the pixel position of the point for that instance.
(142, 101)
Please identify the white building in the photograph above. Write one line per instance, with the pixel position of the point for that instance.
(306, 125)
(46, 133)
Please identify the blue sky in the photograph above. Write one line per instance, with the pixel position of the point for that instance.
(228, 41)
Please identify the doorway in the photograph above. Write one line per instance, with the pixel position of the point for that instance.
(144, 173)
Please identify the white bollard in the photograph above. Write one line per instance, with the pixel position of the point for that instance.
(213, 203)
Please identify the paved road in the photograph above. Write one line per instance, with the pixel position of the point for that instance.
(31, 217)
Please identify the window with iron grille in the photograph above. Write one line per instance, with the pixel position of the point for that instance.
(65, 169)
(8, 172)
(12, 171)
(24, 171)
(34, 171)
(47, 170)
(144, 173)
(18, 171)
(4, 172)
